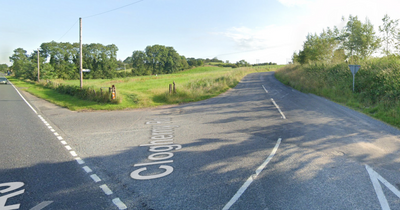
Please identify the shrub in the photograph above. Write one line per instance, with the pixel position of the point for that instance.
(86, 93)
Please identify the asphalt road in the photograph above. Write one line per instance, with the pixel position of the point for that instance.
(36, 171)
(234, 151)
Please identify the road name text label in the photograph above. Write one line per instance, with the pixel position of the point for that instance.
(162, 146)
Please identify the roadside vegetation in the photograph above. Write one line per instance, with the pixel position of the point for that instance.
(142, 91)
(321, 68)
(141, 80)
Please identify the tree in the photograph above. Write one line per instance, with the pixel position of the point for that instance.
(242, 63)
(390, 31)
(318, 47)
(22, 65)
(138, 63)
(3, 67)
(359, 39)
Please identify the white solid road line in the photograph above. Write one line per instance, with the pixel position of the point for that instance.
(276, 105)
(252, 177)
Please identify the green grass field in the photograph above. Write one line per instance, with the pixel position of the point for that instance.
(148, 91)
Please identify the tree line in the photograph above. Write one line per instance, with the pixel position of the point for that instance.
(356, 41)
(60, 60)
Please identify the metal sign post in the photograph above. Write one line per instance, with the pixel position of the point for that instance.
(354, 69)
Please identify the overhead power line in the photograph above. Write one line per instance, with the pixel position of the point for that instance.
(113, 9)
(100, 14)
(67, 31)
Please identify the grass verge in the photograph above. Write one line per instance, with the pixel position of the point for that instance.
(146, 91)
(377, 90)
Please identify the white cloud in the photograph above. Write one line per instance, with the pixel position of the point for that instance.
(263, 44)
(259, 38)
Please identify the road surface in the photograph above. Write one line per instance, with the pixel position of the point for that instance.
(261, 145)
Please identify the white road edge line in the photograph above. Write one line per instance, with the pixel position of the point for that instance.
(24, 98)
(252, 177)
(276, 105)
(104, 187)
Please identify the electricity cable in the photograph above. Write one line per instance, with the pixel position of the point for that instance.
(100, 14)
(68, 30)
(113, 9)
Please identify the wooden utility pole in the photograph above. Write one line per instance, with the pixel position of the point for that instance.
(38, 66)
(80, 52)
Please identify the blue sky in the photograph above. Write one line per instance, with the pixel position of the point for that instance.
(254, 30)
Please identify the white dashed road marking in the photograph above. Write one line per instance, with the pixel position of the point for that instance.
(87, 169)
(252, 177)
(42, 205)
(73, 153)
(119, 203)
(276, 105)
(79, 160)
(106, 190)
(95, 178)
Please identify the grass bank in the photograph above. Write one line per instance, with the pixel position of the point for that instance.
(377, 86)
(147, 91)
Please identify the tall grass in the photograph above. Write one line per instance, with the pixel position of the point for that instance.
(203, 88)
(377, 86)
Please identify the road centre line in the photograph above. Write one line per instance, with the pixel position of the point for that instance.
(252, 177)
(95, 178)
(276, 105)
